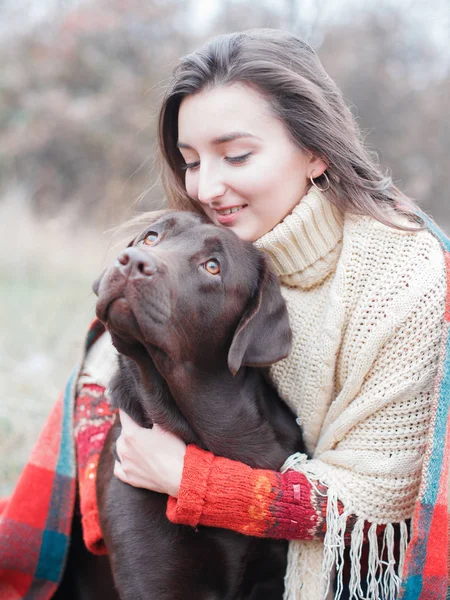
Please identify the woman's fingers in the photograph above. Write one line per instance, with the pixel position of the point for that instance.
(149, 458)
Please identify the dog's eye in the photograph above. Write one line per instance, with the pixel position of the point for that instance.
(150, 238)
(212, 266)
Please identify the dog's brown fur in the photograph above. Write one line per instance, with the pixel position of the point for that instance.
(192, 346)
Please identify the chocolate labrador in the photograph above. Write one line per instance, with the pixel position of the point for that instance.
(196, 315)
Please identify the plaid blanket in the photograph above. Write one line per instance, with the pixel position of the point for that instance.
(35, 522)
(426, 575)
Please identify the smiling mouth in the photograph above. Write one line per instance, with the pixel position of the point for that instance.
(229, 211)
(229, 215)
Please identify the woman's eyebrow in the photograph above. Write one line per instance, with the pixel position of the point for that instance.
(223, 139)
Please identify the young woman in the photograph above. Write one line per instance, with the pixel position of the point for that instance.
(255, 134)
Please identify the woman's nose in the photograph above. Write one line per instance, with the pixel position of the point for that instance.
(210, 186)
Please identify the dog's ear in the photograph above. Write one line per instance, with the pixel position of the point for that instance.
(263, 336)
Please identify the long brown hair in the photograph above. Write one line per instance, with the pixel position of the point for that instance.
(289, 74)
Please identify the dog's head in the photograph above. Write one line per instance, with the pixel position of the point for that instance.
(196, 292)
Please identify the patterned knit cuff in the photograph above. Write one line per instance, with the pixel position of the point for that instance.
(300, 509)
(187, 508)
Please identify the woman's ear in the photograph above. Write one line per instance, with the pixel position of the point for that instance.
(317, 166)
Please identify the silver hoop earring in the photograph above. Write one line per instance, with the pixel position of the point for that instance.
(315, 184)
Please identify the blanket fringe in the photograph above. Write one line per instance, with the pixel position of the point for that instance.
(308, 559)
(301, 581)
(355, 559)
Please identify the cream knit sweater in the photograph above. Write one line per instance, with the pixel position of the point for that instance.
(366, 305)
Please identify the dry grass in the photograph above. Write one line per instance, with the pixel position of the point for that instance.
(46, 272)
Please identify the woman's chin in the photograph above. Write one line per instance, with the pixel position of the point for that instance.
(247, 234)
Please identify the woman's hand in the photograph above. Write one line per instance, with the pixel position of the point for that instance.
(149, 458)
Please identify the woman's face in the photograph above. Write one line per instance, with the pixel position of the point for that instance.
(240, 157)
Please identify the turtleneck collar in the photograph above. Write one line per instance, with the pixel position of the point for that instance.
(305, 247)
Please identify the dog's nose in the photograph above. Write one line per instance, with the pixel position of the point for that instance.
(136, 263)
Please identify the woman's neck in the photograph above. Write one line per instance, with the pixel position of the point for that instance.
(305, 246)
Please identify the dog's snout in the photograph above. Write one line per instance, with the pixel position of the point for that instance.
(137, 263)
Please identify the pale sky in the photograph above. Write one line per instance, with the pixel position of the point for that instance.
(433, 17)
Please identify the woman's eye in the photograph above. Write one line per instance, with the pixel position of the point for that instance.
(193, 166)
(190, 166)
(150, 238)
(212, 266)
(238, 159)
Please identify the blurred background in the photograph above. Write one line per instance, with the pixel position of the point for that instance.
(80, 87)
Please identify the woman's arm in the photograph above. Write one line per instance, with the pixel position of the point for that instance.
(216, 491)
(209, 490)
(225, 493)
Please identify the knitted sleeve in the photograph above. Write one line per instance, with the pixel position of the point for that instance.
(225, 493)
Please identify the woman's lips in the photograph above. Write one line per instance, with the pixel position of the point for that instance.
(227, 219)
